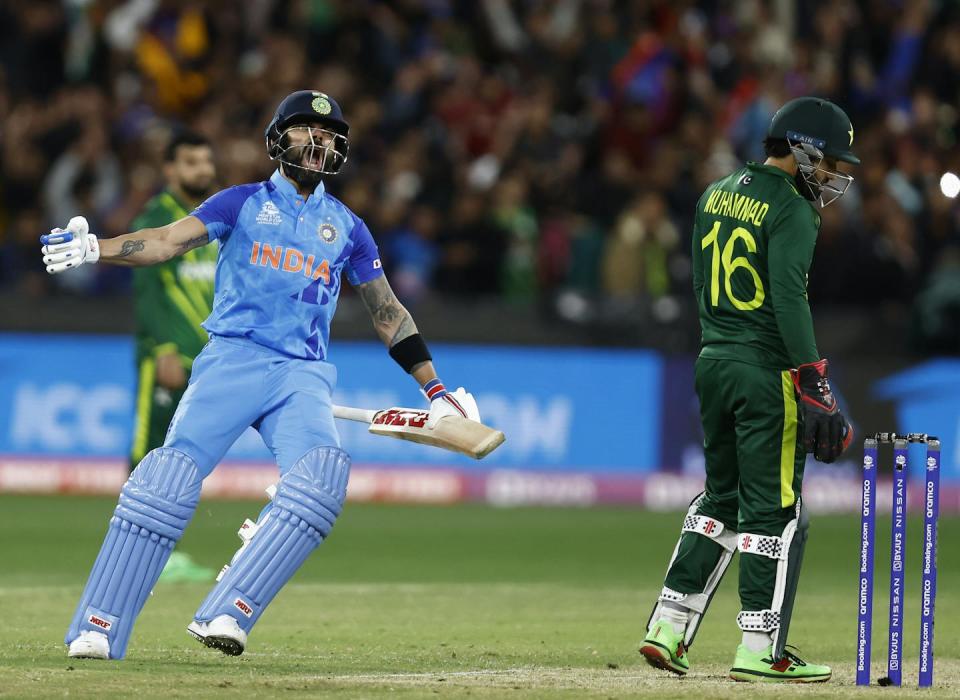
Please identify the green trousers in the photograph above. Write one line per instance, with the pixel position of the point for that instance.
(754, 462)
(155, 409)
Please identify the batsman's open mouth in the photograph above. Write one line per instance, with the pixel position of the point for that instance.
(313, 159)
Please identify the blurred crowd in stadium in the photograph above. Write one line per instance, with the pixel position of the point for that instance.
(547, 152)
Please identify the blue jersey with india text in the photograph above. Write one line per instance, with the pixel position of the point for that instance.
(281, 258)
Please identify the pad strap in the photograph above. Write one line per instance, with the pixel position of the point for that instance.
(758, 620)
(712, 528)
(694, 601)
(763, 545)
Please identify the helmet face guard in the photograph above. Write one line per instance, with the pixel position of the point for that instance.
(311, 147)
(809, 156)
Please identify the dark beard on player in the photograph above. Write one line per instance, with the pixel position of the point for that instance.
(305, 179)
(193, 192)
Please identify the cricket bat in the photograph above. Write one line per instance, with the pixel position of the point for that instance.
(452, 433)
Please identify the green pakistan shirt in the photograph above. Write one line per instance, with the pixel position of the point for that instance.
(172, 298)
(753, 242)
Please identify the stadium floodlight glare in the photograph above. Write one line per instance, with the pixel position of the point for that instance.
(950, 185)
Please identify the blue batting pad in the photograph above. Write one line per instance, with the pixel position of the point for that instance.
(309, 499)
(155, 506)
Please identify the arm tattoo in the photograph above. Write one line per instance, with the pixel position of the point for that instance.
(131, 247)
(380, 301)
(406, 329)
(392, 321)
(193, 243)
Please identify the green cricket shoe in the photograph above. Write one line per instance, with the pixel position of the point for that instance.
(663, 648)
(759, 667)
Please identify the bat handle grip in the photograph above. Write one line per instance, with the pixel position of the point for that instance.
(361, 415)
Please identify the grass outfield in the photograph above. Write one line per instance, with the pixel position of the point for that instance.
(461, 601)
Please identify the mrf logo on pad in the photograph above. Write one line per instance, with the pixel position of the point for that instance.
(100, 622)
(242, 606)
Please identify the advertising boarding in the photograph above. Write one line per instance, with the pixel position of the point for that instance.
(582, 425)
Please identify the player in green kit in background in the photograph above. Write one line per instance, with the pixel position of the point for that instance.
(765, 399)
(171, 300)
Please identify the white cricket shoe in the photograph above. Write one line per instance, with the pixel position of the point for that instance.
(222, 632)
(90, 645)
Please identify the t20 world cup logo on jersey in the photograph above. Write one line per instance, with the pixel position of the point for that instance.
(269, 215)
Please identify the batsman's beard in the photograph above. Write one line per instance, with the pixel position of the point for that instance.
(305, 178)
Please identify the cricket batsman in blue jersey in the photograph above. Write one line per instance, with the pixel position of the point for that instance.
(284, 244)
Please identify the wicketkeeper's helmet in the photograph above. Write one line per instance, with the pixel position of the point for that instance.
(816, 129)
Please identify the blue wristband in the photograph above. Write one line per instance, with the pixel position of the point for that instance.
(434, 389)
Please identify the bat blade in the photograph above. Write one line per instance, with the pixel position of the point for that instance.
(450, 433)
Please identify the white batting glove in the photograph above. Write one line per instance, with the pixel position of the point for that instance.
(64, 249)
(444, 403)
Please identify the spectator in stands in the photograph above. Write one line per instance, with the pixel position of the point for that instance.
(500, 117)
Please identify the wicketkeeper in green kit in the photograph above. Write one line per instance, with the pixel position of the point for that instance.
(765, 400)
(171, 300)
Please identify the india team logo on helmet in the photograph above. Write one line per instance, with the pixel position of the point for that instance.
(321, 104)
(327, 232)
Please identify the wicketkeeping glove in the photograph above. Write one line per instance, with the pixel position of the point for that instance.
(64, 249)
(446, 403)
(826, 432)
